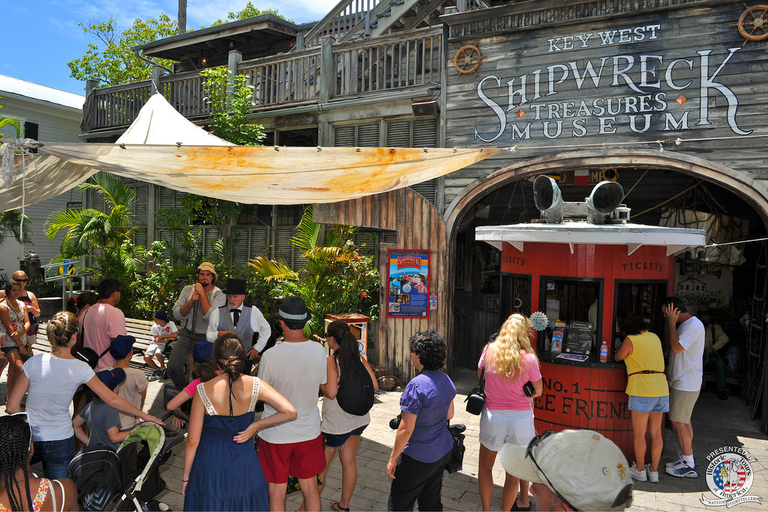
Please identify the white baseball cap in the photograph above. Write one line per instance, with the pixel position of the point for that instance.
(580, 466)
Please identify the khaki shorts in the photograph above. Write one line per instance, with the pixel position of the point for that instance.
(681, 405)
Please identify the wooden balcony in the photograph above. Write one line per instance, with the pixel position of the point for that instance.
(317, 75)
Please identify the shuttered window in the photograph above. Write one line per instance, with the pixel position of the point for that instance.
(415, 133)
(356, 136)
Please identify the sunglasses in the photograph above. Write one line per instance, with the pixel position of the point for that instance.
(22, 280)
(535, 442)
(623, 497)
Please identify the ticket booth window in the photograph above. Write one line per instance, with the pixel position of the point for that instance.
(572, 301)
(644, 299)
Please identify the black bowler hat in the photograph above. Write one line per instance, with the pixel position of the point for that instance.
(293, 308)
(235, 287)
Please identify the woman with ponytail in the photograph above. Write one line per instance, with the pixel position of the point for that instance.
(52, 380)
(221, 468)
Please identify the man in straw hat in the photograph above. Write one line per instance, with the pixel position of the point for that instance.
(193, 311)
(572, 470)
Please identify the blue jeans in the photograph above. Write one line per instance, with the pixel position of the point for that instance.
(55, 456)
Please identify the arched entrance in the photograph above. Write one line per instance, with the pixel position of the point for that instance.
(652, 180)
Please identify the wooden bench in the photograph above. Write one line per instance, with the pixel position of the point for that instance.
(139, 329)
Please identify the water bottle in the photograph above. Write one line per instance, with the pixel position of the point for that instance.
(604, 352)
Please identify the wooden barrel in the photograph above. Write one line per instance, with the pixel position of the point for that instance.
(586, 395)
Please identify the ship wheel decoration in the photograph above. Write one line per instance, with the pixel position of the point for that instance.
(467, 59)
(753, 23)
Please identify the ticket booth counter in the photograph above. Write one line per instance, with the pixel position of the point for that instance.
(585, 278)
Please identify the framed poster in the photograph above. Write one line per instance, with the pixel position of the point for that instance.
(408, 289)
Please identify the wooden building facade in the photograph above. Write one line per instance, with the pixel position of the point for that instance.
(667, 97)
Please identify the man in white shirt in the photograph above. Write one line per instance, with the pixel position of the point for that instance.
(242, 320)
(296, 368)
(686, 343)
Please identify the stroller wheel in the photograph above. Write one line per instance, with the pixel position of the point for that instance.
(157, 506)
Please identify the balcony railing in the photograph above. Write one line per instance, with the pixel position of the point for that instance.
(316, 75)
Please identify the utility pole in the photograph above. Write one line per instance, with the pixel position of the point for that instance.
(182, 16)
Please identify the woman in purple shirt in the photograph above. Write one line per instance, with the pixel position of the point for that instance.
(423, 443)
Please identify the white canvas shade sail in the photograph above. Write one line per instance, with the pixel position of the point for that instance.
(164, 148)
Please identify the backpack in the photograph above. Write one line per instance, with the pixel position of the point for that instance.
(98, 476)
(355, 395)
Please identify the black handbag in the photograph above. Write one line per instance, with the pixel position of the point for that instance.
(476, 399)
(456, 462)
(528, 389)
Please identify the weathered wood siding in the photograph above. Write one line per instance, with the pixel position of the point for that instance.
(419, 226)
(682, 65)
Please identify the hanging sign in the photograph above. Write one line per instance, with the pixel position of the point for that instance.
(408, 290)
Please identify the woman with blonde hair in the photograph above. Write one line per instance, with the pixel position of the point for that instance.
(507, 363)
(52, 380)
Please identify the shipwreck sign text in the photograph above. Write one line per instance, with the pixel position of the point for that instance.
(661, 91)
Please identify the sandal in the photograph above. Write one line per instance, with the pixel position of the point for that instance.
(338, 508)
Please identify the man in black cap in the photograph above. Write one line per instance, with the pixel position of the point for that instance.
(241, 320)
(296, 368)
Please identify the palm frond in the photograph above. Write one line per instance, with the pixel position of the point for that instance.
(307, 232)
(273, 269)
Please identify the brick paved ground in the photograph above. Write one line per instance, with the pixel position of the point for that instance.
(716, 423)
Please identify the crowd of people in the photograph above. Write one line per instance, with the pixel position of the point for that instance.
(218, 340)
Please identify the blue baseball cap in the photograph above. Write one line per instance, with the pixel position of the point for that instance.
(111, 378)
(201, 353)
(161, 315)
(121, 346)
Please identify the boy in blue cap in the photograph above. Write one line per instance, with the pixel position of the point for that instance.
(163, 331)
(134, 388)
(102, 420)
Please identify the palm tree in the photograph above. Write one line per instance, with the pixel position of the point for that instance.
(10, 222)
(335, 279)
(104, 236)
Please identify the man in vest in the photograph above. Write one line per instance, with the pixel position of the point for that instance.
(241, 320)
(195, 305)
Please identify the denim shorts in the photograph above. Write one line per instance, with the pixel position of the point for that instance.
(336, 440)
(55, 456)
(649, 403)
(12, 348)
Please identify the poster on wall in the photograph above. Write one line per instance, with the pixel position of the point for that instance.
(408, 290)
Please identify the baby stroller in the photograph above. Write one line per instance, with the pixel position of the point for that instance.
(133, 476)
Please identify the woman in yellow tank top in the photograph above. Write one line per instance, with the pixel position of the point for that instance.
(648, 393)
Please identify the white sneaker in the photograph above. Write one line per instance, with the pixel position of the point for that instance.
(653, 476)
(676, 462)
(640, 476)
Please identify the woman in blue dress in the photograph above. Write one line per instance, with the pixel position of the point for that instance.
(221, 468)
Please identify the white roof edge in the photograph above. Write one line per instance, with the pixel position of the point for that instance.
(631, 235)
(18, 87)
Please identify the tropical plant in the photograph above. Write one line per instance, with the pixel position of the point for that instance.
(105, 237)
(10, 222)
(337, 279)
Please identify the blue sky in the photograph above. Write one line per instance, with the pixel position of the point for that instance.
(40, 37)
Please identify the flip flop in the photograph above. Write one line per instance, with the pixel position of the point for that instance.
(338, 508)
(516, 507)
